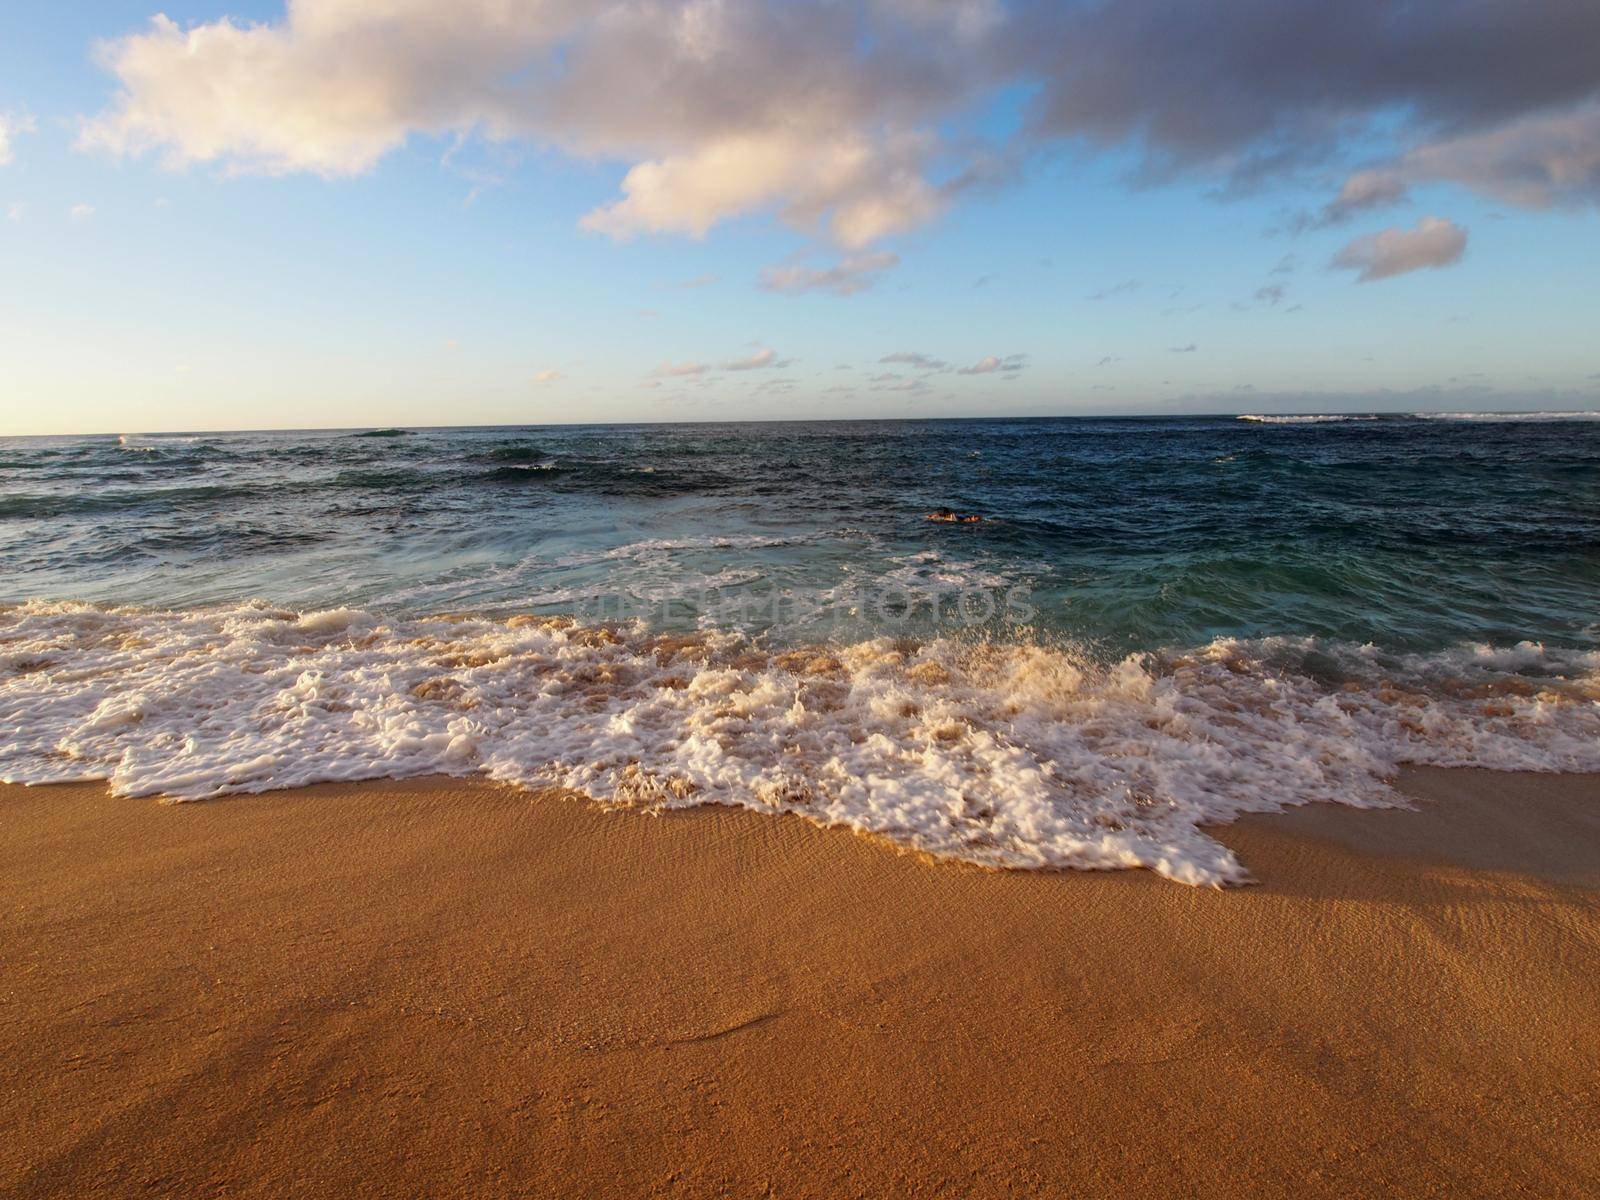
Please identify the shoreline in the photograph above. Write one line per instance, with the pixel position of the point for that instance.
(456, 987)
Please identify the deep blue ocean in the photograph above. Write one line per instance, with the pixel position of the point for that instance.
(1120, 534)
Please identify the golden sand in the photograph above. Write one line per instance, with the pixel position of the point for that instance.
(457, 989)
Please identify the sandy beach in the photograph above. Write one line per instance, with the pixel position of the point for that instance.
(460, 989)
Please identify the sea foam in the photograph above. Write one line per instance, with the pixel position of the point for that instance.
(1489, 417)
(1304, 418)
(1007, 755)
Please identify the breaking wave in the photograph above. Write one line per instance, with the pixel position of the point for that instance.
(1490, 417)
(1304, 418)
(1501, 417)
(1005, 754)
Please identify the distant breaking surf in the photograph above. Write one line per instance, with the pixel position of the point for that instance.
(1326, 418)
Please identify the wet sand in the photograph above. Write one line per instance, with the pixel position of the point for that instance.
(459, 989)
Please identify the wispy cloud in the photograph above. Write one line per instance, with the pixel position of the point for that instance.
(991, 364)
(909, 358)
(12, 125)
(549, 375)
(672, 370)
(1365, 191)
(890, 382)
(850, 275)
(759, 360)
(1116, 289)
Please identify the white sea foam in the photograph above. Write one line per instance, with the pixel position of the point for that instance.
(933, 570)
(1304, 418)
(154, 441)
(1005, 755)
(1496, 417)
(1491, 417)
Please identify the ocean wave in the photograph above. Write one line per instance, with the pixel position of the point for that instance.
(1491, 417)
(1004, 754)
(519, 453)
(66, 503)
(1507, 417)
(1306, 418)
(154, 441)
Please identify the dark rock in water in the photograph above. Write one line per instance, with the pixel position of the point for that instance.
(383, 433)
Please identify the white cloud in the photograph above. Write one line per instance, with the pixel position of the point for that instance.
(852, 274)
(16, 210)
(81, 212)
(853, 189)
(548, 376)
(11, 125)
(724, 107)
(1435, 242)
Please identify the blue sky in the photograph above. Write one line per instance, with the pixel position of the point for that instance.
(451, 279)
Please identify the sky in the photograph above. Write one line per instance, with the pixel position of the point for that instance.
(339, 213)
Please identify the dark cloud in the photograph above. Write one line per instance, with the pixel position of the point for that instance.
(1254, 87)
